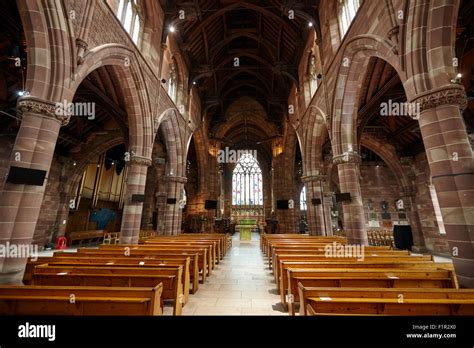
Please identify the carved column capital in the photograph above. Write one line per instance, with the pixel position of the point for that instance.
(44, 108)
(81, 50)
(450, 95)
(179, 179)
(81, 44)
(346, 157)
(140, 160)
(310, 178)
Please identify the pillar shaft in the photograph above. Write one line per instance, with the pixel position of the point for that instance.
(174, 213)
(354, 218)
(450, 159)
(132, 211)
(316, 212)
(20, 204)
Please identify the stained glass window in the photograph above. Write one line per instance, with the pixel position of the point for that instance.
(247, 182)
(303, 205)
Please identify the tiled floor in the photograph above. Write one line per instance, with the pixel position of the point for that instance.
(240, 285)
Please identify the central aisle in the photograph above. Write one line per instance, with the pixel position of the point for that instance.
(241, 284)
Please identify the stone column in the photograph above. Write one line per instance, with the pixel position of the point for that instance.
(414, 219)
(160, 212)
(316, 215)
(173, 214)
(354, 218)
(20, 204)
(450, 158)
(132, 211)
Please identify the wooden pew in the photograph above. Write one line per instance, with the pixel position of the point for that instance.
(304, 261)
(204, 258)
(199, 255)
(306, 248)
(223, 239)
(400, 294)
(313, 242)
(89, 236)
(316, 251)
(211, 248)
(115, 276)
(391, 306)
(214, 243)
(193, 267)
(87, 300)
(365, 278)
(112, 262)
(267, 240)
(425, 265)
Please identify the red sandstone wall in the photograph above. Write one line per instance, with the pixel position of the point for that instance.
(379, 184)
(50, 205)
(6, 146)
(434, 241)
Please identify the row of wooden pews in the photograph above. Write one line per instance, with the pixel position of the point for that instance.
(383, 282)
(117, 279)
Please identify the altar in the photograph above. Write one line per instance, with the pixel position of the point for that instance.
(245, 228)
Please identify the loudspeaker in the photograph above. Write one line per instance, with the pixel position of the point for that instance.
(210, 205)
(171, 201)
(26, 176)
(402, 237)
(343, 197)
(315, 201)
(282, 204)
(138, 198)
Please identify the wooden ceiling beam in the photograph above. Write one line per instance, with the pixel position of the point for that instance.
(248, 34)
(194, 32)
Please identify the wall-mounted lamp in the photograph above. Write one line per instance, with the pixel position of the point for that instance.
(457, 79)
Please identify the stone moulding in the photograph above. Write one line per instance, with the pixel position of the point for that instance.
(451, 95)
(141, 161)
(311, 178)
(179, 179)
(44, 108)
(347, 157)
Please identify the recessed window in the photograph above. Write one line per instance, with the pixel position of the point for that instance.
(303, 205)
(437, 209)
(347, 11)
(313, 75)
(129, 14)
(173, 81)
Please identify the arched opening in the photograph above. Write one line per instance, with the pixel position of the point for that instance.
(99, 196)
(193, 210)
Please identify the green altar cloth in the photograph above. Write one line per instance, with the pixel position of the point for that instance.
(245, 228)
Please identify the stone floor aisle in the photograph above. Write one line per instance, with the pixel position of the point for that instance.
(241, 284)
